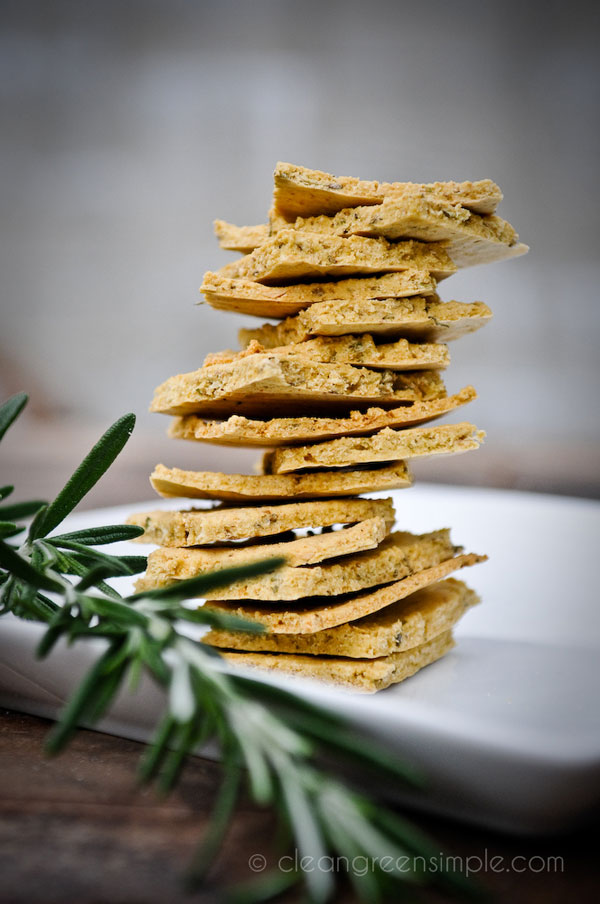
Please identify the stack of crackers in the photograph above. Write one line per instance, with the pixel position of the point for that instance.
(342, 390)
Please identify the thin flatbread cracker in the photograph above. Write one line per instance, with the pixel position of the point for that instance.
(275, 383)
(290, 256)
(417, 319)
(359, 351)
(241, 238)
(302, 192)
(469, 238)
(272, 487)
(226, 524)
(360, 675)
(405, 624)
(309, 616)
(309, 550)
(246, 296)
(399, 555)
(243, 431)
(386, 445)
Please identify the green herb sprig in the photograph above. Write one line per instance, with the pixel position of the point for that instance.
(270, 740)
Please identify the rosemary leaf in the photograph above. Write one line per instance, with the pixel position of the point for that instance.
(135, 564)
(221, 815)
(20, 568)
(331, 731)
(117, 611)
(49, 605)
(254, 755)
(82, 702)
(204, 583)
(222, 620)
(94, 577)
(341, 840)
(153, 756)
(183, 745)
(25, 603)
(181, 695)
(347, 741)
(18, 510)
(308, 835)
(117, 565)
(71, 564)
(106, 693)
(96, 536)
(91, 469)
(151, 654)
(10, 410)
(57, 624)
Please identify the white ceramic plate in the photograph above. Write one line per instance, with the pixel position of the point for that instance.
(507, 726)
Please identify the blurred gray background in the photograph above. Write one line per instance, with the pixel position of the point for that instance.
(127, 127)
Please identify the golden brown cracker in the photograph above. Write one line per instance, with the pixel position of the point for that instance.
(261, 383)
(417, 319)
(302, 192)
(272, 487)
(243, 431)
(225, 524)
(399, 555)
(309, 616)
(289, 256)
(405, 624)
(359, 351)
(246, 296)
(384, 446)
(361, 675)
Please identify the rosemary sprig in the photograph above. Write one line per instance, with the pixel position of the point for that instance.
(271, 740)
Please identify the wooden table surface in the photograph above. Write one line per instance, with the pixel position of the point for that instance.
(76, 829)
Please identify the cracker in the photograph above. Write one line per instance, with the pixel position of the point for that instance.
(226, 524)
(469, 238)
(360, 351)
(405, 624)
(309, 616)
(399, 555)
(361, 675)
(249, 297)
(310, 550)
(418, 319)
(302, 192)
(271, 487)
(290, 256)
(274, 383)
(386, 445)
(241, 238)
(243, 431)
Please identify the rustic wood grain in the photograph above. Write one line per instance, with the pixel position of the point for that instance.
(76, 829)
